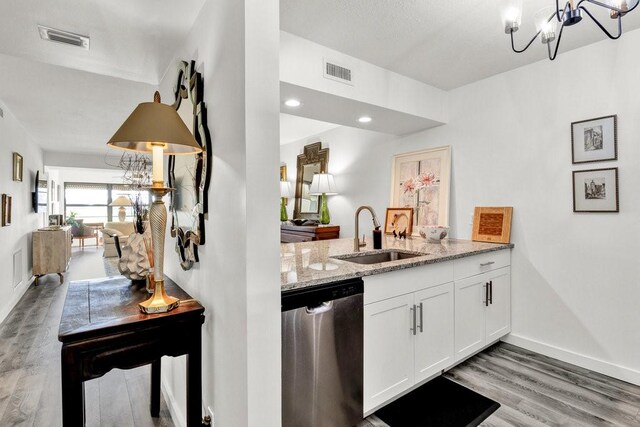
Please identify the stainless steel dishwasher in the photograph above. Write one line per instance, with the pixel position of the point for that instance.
(322, 355)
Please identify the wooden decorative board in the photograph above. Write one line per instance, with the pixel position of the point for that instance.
(492, 224)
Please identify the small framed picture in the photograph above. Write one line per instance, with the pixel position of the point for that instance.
(17, 167)
(492, 224)
(399, 220)
(594, 140)
(6, 210)
(595, 190)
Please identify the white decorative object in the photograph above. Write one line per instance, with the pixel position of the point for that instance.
(134, 262)
(434, 234)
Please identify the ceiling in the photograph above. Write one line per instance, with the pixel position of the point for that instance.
(295, 128)
(446, 44)
(70, 99)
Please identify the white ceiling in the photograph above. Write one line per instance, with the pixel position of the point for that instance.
(446, 44)
(295, 128)
(70, 99)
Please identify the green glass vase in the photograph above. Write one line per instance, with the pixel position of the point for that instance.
(283, 210)
(325, 218)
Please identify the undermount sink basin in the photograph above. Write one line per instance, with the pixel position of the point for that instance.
(378, 257)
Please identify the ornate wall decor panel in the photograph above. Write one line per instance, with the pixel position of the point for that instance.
(190, 174)
(313, 160)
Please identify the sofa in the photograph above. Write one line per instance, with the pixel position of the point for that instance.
(121, 229)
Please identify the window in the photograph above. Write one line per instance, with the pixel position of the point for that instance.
(91, 201)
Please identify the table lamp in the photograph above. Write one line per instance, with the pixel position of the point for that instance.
(323, 184)
(121, 201)
(156, 128)
(285, 193)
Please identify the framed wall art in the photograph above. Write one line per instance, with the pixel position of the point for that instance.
(6, 210)
(595, 190)
(420, 181)
(594, 140)
(492, 224)
(399, 220)
(17, 167)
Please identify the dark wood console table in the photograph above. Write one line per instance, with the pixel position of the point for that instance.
(102, 329)
(303, 233)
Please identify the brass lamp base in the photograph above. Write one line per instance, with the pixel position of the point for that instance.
(159, 302)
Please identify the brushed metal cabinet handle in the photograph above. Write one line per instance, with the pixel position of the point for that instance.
(421, 317)
(484, 264)
(490, 291)
(413, 312)
(486, 294)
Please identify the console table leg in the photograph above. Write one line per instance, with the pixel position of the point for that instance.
(194, 383)
(155, 388)
(72, 397)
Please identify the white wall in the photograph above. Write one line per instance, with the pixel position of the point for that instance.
(16, 238)
(575, 275)
(357, 160)
(235, 46)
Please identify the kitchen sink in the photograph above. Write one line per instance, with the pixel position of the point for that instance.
(378, 257)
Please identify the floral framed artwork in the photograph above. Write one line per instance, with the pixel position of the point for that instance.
(399, 221)
(595, 190)
(17, 167)
(420, 181)
(594, 140)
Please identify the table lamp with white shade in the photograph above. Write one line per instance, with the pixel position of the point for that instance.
(323, 184)
(285, 193)
(121, 201)
(156, 128)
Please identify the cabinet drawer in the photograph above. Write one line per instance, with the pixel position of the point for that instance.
(379, 287)
(477, 264)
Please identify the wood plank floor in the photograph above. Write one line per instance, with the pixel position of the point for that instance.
(30, 363)
(536, 390)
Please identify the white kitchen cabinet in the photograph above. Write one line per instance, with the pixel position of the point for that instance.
(483, 310)
(388, 349)
(401, 350)
(434, 335)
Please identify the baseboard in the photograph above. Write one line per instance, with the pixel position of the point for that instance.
(177, 416)
(607, 368)
(18, 291)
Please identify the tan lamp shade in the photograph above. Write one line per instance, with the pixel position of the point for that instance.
(121, 201)
(153, 123)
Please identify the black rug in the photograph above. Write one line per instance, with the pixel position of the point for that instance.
(440, 402)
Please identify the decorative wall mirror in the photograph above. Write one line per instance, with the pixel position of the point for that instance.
(314, 159)
(190, 174)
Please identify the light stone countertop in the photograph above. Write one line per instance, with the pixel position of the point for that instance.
(311, 263)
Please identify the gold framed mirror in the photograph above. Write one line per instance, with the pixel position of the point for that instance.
(314, 159)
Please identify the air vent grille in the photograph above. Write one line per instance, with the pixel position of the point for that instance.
(338, 72)
(65, 37)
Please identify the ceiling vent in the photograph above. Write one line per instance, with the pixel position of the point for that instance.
(65, 37)
(338, 72)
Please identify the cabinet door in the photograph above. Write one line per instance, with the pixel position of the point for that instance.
(434, 338)
(498, 315)
(470, 315)
(388, 349)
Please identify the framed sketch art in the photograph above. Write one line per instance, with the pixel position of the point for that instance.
(420, 181)
(594, 140)
(595, 190)
(17, 167)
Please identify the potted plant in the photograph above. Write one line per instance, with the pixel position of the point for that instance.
(77, 226)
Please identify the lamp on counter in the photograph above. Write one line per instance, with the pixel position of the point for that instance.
(156, 128)
(285, 193)
(323, 184)
(121, 201)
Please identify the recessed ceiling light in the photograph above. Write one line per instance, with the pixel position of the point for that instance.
(64, 37)
(364, 119)
(292, 103)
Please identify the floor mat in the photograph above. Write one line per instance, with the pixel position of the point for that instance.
(440, 402)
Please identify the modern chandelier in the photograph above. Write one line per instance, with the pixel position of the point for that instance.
(548, 18)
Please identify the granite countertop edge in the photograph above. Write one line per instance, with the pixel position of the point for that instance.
(362, 270)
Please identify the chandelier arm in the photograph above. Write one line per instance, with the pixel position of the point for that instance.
(564, 10)
(555, 51)
(604, 30)
(608, 6)
(528, 44)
